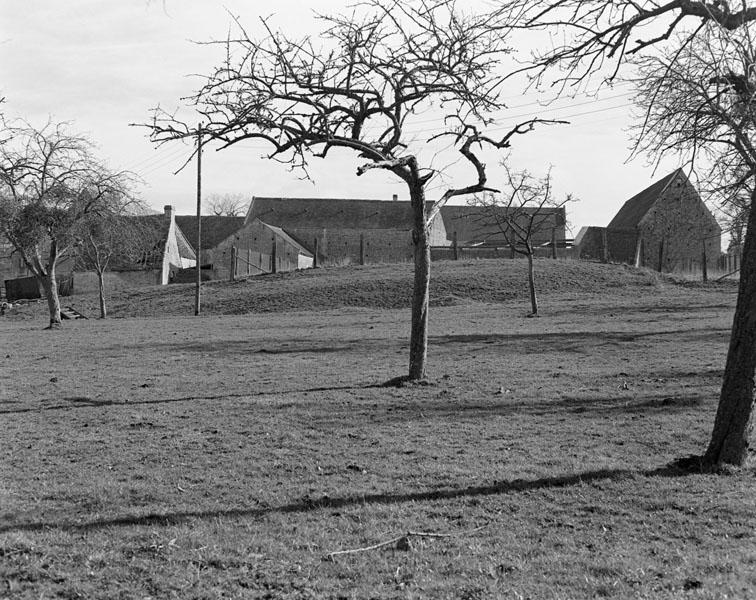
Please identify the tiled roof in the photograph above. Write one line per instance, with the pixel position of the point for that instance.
(331, 213)
(214, 229)
(633, 211)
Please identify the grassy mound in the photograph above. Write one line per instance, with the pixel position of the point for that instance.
(377, 286)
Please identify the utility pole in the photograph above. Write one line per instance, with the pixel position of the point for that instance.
(198, 250)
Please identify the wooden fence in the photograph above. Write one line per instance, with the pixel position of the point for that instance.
(552, 249)
(245, 263)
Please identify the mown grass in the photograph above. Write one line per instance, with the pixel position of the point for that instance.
(229, 456)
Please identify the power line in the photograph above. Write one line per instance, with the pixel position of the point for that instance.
(514, 120)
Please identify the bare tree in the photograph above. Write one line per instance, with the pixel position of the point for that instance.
(598, 34)
(701, 103)
(227, 205)
(524, 210)
(106, 238)
(592, 33)
(367, 83)
(49, 182)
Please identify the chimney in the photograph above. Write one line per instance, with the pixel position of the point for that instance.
(394, 198)
(170, 211)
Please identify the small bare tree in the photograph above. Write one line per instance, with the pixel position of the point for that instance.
(105, 238)
(367, 84)
(227, 205)
(524, 211)
(50, 182)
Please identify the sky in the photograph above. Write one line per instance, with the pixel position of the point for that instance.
(102, 66)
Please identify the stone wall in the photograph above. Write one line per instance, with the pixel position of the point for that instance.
(254, 244)
(346, 246)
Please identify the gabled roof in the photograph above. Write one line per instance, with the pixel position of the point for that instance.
(288, 238)
(473, 224)
(215, 229)
(185, 248)
(331, 213)
(633, 211)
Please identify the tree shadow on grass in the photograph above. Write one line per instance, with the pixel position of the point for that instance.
(80, 402)
(308, 504)
(572, 341)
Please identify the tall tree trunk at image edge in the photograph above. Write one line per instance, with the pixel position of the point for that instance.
(531, 284)
(733, 423)
(50, 285)
(101, 289)
(420, 292)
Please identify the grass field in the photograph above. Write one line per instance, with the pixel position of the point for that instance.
(240, 454)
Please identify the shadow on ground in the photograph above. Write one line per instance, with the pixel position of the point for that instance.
(309, 504)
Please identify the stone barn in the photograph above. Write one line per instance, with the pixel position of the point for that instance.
(253, 242)
(346, 231)
(666, 227)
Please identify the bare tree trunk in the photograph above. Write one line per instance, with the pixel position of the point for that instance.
(531, 284)
(101, 282)
(50, 285)
(733, 423)
(420, 292)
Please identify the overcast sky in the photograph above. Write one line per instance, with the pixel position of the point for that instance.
(104, 65)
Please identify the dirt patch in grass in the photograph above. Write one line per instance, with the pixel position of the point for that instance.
(229, 456)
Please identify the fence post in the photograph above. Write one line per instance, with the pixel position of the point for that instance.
(273, 258)
(455, 248)
(705, 273)
(553, 243)
(315, 258)
(362, 249)
(661, 256)
(249, 261)
(232, 270)
(604, 246)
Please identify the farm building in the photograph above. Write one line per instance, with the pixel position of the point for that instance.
(346, 231)
(216, 233)
(171, 252)
(472, 226)
(253, 243)
(666, 227)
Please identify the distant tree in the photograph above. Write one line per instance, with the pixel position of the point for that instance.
(367, 83)
(50, 182)
(525, 209)
(106, 237)
(227, 205)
